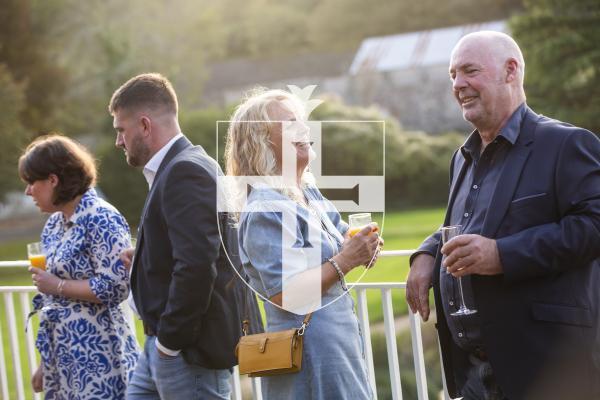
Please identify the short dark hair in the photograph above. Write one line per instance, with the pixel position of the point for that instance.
(56, 154)
(150, 90)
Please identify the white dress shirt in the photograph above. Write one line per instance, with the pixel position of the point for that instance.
(153, 164)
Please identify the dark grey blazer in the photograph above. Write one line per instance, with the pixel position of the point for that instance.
(179, 280)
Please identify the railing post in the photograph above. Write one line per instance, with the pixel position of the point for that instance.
(256, 389)
(14, 344)
(236, 386)
(24, 297)
(3, 377)
(363, 318)
(444, 387)
(129, 316)
(418, 357)
(390, 341)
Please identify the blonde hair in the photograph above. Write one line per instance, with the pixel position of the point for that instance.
(248, 150)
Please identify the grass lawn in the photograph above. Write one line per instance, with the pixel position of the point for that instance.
(14, 250)
(401, 230)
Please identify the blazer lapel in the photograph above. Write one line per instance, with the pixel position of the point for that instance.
(177, 148)
(180, 145)
(509, 178)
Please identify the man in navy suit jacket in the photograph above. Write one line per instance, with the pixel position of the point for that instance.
(179, 281)
(526, 191)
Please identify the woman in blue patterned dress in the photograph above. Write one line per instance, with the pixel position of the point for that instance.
(291, 237)
(86, 347)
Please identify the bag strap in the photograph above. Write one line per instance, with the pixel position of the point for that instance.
(305, 324)
(246, 320)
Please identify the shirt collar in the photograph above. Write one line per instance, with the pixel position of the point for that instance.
(509, 132)
(89, 195)
(153, 164)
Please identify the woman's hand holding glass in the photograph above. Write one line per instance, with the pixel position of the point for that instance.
(360, 249)
(46, 282)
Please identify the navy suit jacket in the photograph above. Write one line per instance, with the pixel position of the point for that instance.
(180, 279)
(540, 319)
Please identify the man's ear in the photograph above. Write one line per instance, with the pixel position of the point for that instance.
(512, 70)
(146, 124)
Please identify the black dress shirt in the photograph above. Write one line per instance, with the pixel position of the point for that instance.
(470, 206)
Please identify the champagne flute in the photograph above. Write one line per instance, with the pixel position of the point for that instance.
(449, 232)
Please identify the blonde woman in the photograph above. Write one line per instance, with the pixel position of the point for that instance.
(283, 205)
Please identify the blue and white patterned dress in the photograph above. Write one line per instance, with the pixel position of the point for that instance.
(87, 349)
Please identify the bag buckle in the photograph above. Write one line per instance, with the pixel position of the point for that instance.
(302, 329)
(263, 344)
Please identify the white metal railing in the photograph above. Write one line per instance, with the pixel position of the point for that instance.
(15, 333)
(11, 264)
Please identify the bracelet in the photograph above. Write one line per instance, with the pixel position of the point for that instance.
(60, 287)
(341, 277)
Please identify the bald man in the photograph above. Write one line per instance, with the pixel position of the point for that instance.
(525, 190)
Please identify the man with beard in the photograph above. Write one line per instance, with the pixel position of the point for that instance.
(179, 286)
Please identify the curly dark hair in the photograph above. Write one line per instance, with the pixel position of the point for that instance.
(56, 154)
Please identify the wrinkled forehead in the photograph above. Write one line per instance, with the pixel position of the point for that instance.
(471, 52)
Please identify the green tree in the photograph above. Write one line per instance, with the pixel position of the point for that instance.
(416, 164)
(124, 186)
(343, 24)
(12, 102)
(559, 39)
(23, 49)
(31, 83)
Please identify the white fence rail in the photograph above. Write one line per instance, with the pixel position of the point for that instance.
(15, 332)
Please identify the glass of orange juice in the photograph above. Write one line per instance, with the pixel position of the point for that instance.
(37, 258)
(358, 222)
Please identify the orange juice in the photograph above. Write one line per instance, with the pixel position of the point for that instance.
(354, 231)
(38, 261)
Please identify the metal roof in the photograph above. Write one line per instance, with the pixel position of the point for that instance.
(424, 48)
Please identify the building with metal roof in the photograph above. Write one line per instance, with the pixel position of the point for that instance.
(414, 49)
